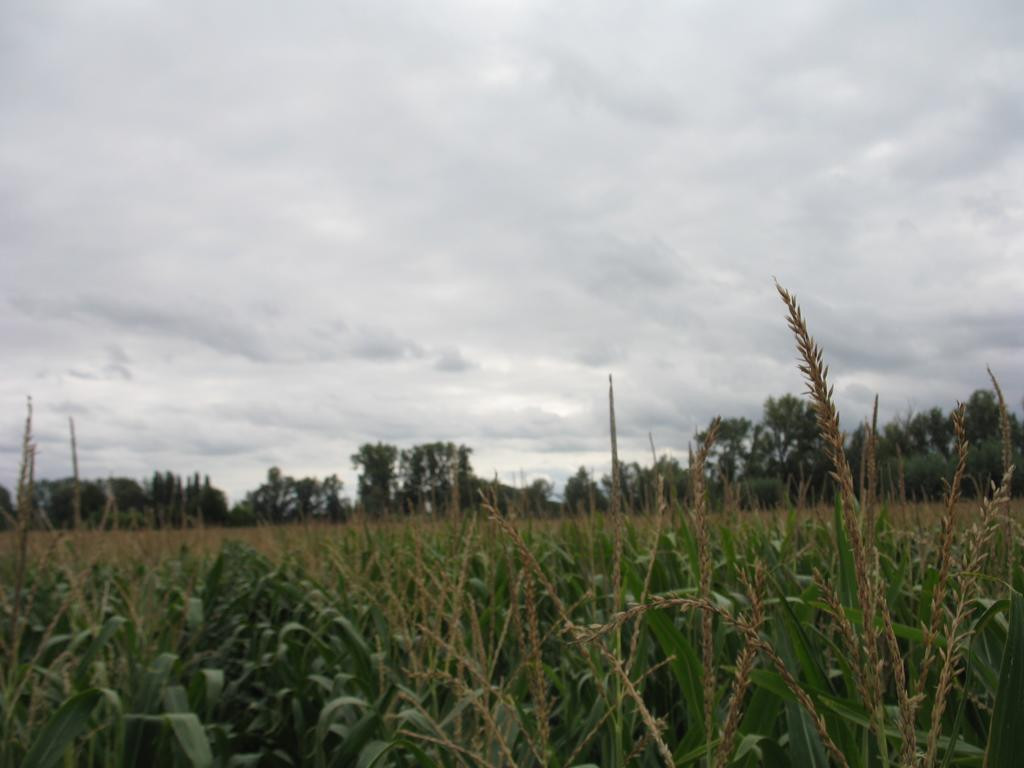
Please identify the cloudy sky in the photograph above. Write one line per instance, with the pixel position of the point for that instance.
(240, 234)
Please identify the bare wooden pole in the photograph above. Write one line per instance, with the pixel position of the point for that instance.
(76, 501)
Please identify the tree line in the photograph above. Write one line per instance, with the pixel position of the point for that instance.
(775, 461)
(167, 500)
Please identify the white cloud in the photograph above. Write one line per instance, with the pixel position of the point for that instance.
(237, 235)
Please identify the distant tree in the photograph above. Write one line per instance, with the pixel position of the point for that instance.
(242, 514)
(319, 499)
(282, 499)
(789, 441)
(762, 492)
(538, 497)
(855, 445)
(130, 495)
(335, 508)
(176, 501)
(211, 504)
(924, 475)
(378, 476)
(732, 448)
(6, 508)
(982, 424)
(789, 431)
(1018, 439)
(55, 500)
(581, 492)
(426, 473)
(164, 491)
(305, 493)
(674, 477)
(930, 431)
(984, 466)
(981, 418)
(272, 501)
(634, 485)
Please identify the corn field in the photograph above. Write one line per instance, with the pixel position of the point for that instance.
(864, 635)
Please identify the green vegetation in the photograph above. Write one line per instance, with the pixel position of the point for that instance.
(446, 644)
(685, 631)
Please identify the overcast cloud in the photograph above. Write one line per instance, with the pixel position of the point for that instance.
(240, 234)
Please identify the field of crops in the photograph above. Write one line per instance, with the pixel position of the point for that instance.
(476, 642)
(867, 634)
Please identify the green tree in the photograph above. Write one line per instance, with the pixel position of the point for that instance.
(208, 504)
(789, 442)
(378, 477)
(930, 431)
(272, 501)
(762, 492)
(581, 491)
(242, 513)
(924, 475)
(55, 500)
(175, 501)
(165, 496)
(674, 477)
(982, 424)
(306, 498)
(6, 508)
(426, 472)
(282, 498)
(335, 508)
(130, 496)
(733, 446)
(981, 419)
(538, 498)
(634, 485)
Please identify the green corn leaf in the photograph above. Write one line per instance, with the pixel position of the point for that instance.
(176, 699)
(374, 753)
(803, 649)
(61, 730)
(847, 574)
(214, 687)
(761, 712)
(805, 747)
(194, 613)
(958, 720)
(685, 665)
(246, 760)
(1006, 736)
(332, 711)
(358, 736)
(147, 700)
(213, 580)
(191, 738)
(109, 629)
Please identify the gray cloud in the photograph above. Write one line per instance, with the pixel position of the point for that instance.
(233, 236)
(452, 360)
(381, 344)
(205, 326)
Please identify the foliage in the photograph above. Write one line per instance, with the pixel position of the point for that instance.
(6, 507)
(412, 645)
(378, 477)
(282, 498)
(582, 494)
(428, 473)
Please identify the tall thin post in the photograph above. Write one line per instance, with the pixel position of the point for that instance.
(76, 501)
